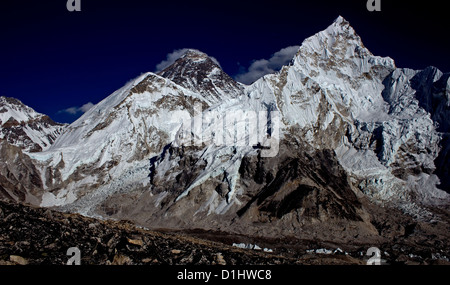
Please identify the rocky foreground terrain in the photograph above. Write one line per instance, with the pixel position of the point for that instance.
(31, 235)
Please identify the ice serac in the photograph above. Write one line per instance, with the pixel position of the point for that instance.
(25, 128)
(200, 73)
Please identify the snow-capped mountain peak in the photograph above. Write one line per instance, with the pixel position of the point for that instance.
(195, 54)
(338, 49)
(22, 126)
(339, 25)
(200, 73)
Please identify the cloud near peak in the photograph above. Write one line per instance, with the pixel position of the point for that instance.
(76, 110)
(261, 67)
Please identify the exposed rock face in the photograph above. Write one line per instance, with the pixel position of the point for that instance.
(311, 183)
(21, 126)
(20, 181)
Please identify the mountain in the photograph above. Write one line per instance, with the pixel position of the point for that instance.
(117, 137)
(21, 126)
(22, 131)
(348, 138)
(340, 145)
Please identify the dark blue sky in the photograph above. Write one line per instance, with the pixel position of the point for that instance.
(52, 59)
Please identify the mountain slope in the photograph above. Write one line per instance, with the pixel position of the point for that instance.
(97, 150)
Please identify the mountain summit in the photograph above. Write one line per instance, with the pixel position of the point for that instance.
(200, 73)
(22, 126)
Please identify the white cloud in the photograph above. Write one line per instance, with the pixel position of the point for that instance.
(170, 59)
(261, 67)
(86, 107)
(71, 110)
(173, 56)
(76, 110)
